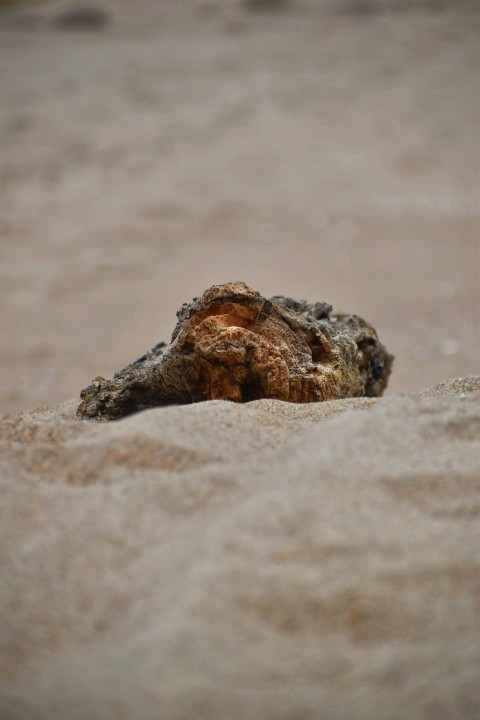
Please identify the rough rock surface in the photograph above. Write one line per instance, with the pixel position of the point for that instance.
(265, 561)
(233, 344)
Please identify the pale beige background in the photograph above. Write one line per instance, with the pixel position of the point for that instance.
(329, 151)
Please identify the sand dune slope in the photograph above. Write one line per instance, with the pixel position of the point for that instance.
(261, 561)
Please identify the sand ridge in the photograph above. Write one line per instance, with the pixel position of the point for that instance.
(267, 560)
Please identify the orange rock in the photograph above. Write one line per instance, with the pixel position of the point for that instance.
(233, 344)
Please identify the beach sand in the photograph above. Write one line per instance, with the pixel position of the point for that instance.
(317, 152)
(258, 561)
(266, 561)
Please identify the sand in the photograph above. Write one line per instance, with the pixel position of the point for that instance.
(262, 561)
(266, 561)
(320, 153)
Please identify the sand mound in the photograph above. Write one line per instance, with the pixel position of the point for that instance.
(268, 560)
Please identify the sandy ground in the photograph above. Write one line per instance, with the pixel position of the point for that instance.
(325, 154)
(267, 561)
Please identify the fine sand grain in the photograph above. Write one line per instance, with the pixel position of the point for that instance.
(266, 561)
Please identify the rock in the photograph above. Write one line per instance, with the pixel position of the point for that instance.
(82, 17)
(264, 4)
(233, 344)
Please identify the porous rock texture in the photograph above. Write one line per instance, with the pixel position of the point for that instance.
(233, 344)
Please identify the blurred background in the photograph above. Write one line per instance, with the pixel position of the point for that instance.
(327, 150)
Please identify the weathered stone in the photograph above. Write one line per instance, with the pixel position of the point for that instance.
(82, 17)
(233, 344)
